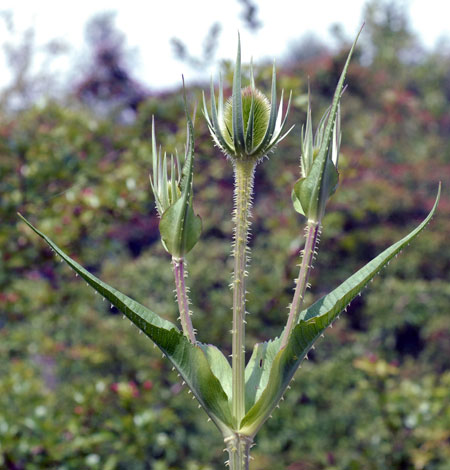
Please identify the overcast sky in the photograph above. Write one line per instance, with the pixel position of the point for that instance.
(149, 25)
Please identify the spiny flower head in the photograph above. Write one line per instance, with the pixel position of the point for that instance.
(319, 158)
(179, 227)
(249, 125)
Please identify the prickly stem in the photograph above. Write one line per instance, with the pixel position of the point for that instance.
(243, 172)
(182, 299)
(238, 447)
(312, 235)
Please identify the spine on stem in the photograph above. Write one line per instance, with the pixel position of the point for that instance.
(183, 299)
(312, 237)
(243, 171)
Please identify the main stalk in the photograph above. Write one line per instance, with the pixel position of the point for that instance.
(243, 173)
(238, 448)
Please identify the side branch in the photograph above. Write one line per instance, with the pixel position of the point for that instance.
(182, 298)
(312, 234)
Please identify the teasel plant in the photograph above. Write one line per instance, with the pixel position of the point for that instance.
(239, 398)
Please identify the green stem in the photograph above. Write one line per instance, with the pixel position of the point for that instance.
(312, 232)
(182, 298)
(238, 448)
(243, 173)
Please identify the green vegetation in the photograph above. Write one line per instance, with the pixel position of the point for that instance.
(81, 389)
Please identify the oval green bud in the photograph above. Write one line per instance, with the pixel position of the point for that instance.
(261, 113)
(248, 126)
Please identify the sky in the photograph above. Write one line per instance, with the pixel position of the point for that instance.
(149, 25)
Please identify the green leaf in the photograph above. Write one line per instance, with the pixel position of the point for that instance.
(190, 360)
(272, 117)
(220, 367)
(250, 127)
(237, 113)
(213, 122)
(313, 321)
(295, 196)
(257, 370)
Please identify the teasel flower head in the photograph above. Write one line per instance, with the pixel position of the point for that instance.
(172, 188)
(319, 157)
(248, 126)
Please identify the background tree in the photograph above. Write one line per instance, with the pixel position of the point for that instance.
(107, 83)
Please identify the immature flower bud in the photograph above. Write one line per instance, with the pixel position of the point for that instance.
(248, 126)
(179, 227)
(319, 158)
(261, 114)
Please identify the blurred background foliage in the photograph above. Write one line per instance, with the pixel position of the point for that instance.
(79, 388)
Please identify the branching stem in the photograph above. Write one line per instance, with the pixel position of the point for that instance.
(312, 232)
(183, 299)
(243, 173)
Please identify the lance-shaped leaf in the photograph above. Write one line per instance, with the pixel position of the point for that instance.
(179, 227)
(237, 114)
(217, 118)
(313, 190)
(313, 321)
(191, 361)
(257, 370)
